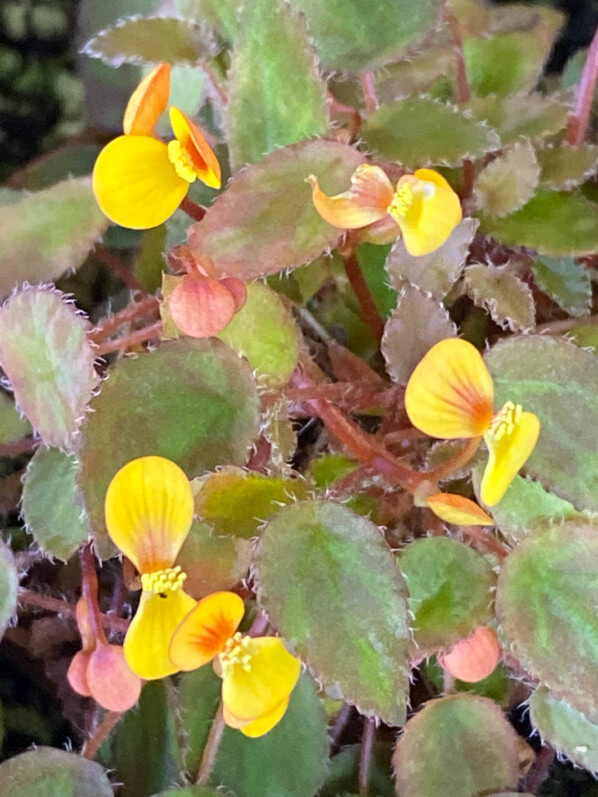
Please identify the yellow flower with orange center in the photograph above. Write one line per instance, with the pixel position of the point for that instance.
(450, 394)
(258, 673)
(424, 206)
(149, 510)
(138, 180)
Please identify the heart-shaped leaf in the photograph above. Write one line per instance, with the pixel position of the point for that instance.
(47, 772)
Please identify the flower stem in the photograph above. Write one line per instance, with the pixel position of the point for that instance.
(460, 459)
(22, 446)
(89, 590)
(580, 119)
(567, 324)
(211, 749)
(192, 209)
(58, 606)
(132, 339)
(538, 772)
(148, 305)
(463, 95)
(369, 311)
(340, 723)
(116, 266)
(101, 733)
(368, 86)
(365, 758)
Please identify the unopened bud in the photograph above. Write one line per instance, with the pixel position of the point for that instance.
(111, 682)
(77, 673)
(182, 259)
(238, 289)
(201, 307)
(474, 658)
(84, 624)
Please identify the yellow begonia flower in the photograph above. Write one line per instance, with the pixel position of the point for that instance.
(149, 510)
(450, 394)
(258, 674)
(424, 206)
(138, 180)
(458, 510)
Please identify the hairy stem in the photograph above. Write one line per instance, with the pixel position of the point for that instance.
(580, 118)
(132, 339)
(340, 723)
(365, 758)
(460, 459)
(567, 324)
(463, 95)
(368, 86)
(211, 749)
(538, 772)
(192, 209)
(369, 311)
(116, 266)
(149, 305)
(89, 590)
(101, 733)
(58, 606)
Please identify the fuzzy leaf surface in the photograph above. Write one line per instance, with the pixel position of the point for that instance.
(212, 562)
(566, 282)
(529, 116)
(221, 15)
(508, 182)
(12, 424)
(9, 582)
(508, 299)
(49, 772)
(564, 167)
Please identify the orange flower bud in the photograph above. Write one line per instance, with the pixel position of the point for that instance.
(201, 307)
(77, 673)
(111, 682)
(474, 658)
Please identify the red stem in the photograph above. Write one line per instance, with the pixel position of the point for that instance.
(117, 267)
(191, 208)
(101, 733)
(89, 590)
(58, 606)
(580, 119)
(149, 304)
(132, 339)
(369, 311)
(22, 446)
(463, 95)
(368, 86)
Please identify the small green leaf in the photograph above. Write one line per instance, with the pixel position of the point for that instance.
(460, 745)
(416, 324)
(49, 361)
(265, 332)
(199, 409)
(419, 130)
(47, 772)
(435, 273)
(12, 425)
(557, 381)
(563, 167)
(567, 730)
(415, 74)
(9, 582)
(521, 116)
(52, 505)
(221, 15)
(508, 299)
(237, 502)
(265, 221)
(566, 282)
(65, 217)
(212, 563)
(273, 68)
(353, 35)
(449, 591)
(508, 182)
(355, 633)
(149, 40)
(545, 600)
(552, 222)
(70, 160)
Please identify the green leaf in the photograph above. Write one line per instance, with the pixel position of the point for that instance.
(552, 222)
(416, 324)
(9, 582)
(221, 15)
(47, 772)
(211, 562)
(508, 299)
(416, 74)
(508, 182)
(563, 167)
(328, 468)
(567, 730)
(355, 634)
(353, 35)
(12, 425)
(199, 695)
(420, 131)
(148, 266)
(149, 40)
(343, 772)
(449, 591)
(505, 63)
(545, 600)
(585, 336)
(459, 745)
(521, 116)
(265, 220)
(65, 217)
(189, 791)
(70, 160)
(437, 272)
(199, 409)
(273, 68)
(143, 748)
(557, 381)
(237, 502)
(372, 260)
(566, 282)
(48, 359)
(265, 332)
(290, 760)
(52, 505)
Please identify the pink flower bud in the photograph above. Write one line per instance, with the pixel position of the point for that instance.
(474, 658)
(111, 682)
(238, 289)
(84, 624)
(201, 307)
(77, 673)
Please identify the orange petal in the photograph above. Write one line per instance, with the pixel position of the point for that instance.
(364, 203)
(474, 658)
(148, 102)
(458, 510)
(201, 307)
(205, 163)
(450, 393)
(205, 630)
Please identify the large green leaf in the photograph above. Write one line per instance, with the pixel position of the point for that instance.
(192, 401)
(330, 585)
(449, 591)
(9, 582)
(420, 131)
(552, 222)
(49, 361)
(460, 746)
(545, 601)
(557, 381)
(353, 35)
(566, 282)
(274, 69)
(265, 221)
(47, 233)
(52, 505)
(47, 772)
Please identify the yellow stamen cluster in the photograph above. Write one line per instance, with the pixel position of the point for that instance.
(505, 420)
(235, 652)
(401, 201)
(161, 581)
(181, 160)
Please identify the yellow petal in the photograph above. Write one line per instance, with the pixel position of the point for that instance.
(253, 688)
(149, 511)
(458, 510)
(364, 203)
(450, 393)
(426, 209)
(266, 723)
(148, 637)
(148, 102)
(204, 162)
(206, 630)
(507, 452)
(135, 184)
